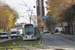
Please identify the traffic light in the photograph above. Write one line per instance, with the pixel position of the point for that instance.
(34, 6)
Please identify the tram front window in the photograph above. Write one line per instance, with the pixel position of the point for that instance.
(29, 30)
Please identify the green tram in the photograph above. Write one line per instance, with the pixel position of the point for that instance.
(31, 32)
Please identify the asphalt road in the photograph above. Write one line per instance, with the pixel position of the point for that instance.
(57, 41)
(3, 40)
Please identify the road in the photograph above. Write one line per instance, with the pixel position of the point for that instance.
(57, 41)
(3, 40)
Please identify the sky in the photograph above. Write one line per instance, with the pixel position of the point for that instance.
(19, 6)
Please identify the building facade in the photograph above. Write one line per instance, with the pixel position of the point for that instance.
(40, 7)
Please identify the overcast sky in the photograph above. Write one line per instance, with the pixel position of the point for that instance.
(21, 9)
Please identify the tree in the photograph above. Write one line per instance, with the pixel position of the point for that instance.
(8, 17)
(15, 17)
(50, 22)
(67, 14)
(62, 9)
(55, 7)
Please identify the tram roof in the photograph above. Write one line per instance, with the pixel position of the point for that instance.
(32, 24)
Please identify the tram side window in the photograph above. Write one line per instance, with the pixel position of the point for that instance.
(35, 31)
(38, 31)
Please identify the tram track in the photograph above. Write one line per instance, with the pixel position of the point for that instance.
(6, 46)
(21, 44)
(34, 45)
(31, 43)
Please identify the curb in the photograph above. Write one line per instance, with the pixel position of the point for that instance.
(40, 42)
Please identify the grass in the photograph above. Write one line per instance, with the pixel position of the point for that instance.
(28, 46)
(35, 43)
(3, 44)
(17, 43)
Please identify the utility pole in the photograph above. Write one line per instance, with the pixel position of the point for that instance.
(30, 15)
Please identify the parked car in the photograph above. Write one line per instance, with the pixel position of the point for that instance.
(52, 32)
(15, 34)
(4, 35)
(46, 32)
(56, 30)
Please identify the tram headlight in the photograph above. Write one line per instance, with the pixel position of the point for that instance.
(31, 36)
(26, 36)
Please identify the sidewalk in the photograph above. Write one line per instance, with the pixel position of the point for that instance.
(71, 37)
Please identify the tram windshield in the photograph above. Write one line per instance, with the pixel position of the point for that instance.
(29, 29)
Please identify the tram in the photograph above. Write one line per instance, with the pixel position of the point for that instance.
(31, 32)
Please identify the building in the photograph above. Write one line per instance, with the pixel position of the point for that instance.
(44, 20)
(40, 8)
(34, 19)
(19, 25)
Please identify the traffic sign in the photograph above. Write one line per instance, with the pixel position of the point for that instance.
(64, 23)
